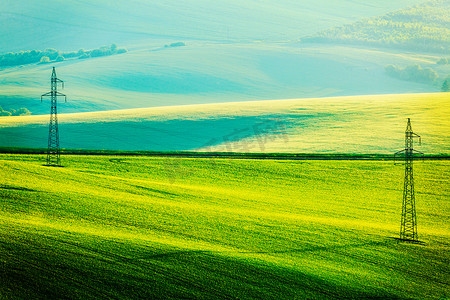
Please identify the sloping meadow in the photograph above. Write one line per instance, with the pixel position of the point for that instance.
(146, 227)
(359, 124)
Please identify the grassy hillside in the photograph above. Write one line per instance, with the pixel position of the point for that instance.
(209, 73)
(423, 27)
(235, 51)
(74, 24)
(362, 124)
(115, 227)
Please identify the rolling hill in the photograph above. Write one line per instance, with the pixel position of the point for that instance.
(359, 124)
(169, 228)
(203, 73)
(208, 76)
(74, 24)
(422, 27)
(234, 52)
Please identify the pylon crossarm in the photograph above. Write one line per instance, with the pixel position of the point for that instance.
(415, 135)
(399, 152)
(46, 95)
(62, 95)
(396, 154)
(56, 94)
(421, 153)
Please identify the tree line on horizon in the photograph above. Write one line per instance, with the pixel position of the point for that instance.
(417, 73)
(413, 73)
(423, 27)
(14, 112)
(52, 55)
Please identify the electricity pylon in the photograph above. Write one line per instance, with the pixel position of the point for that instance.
(408, 227)
(53, 152)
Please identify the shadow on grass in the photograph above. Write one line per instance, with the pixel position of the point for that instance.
(328, 248)
(55, 166)
(16, 188)
(43, 266)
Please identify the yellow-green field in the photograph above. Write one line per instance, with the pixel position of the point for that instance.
(143, 227)
(356, 124)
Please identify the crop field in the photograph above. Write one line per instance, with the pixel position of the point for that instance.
(223, 149)
(212, 228)
(356, 124)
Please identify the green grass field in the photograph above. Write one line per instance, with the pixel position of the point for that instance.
(357, 124)
(156, 227)
(205, 72)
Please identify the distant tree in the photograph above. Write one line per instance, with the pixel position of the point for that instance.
(95, 53)
(69, 54)
(98, 52)
(442, 61)
(34, 52)
(15, 112)
(413, 73)
(4, 113)
(44, 60)
(21, 112)
(391, 70)
(177, 44)
(422, 27)
(428, 75)
(51, 53)
(417, 73)
(48, 55)
(446, 85)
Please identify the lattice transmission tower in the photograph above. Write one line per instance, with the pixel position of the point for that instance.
(408, 226)
(53, 151)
